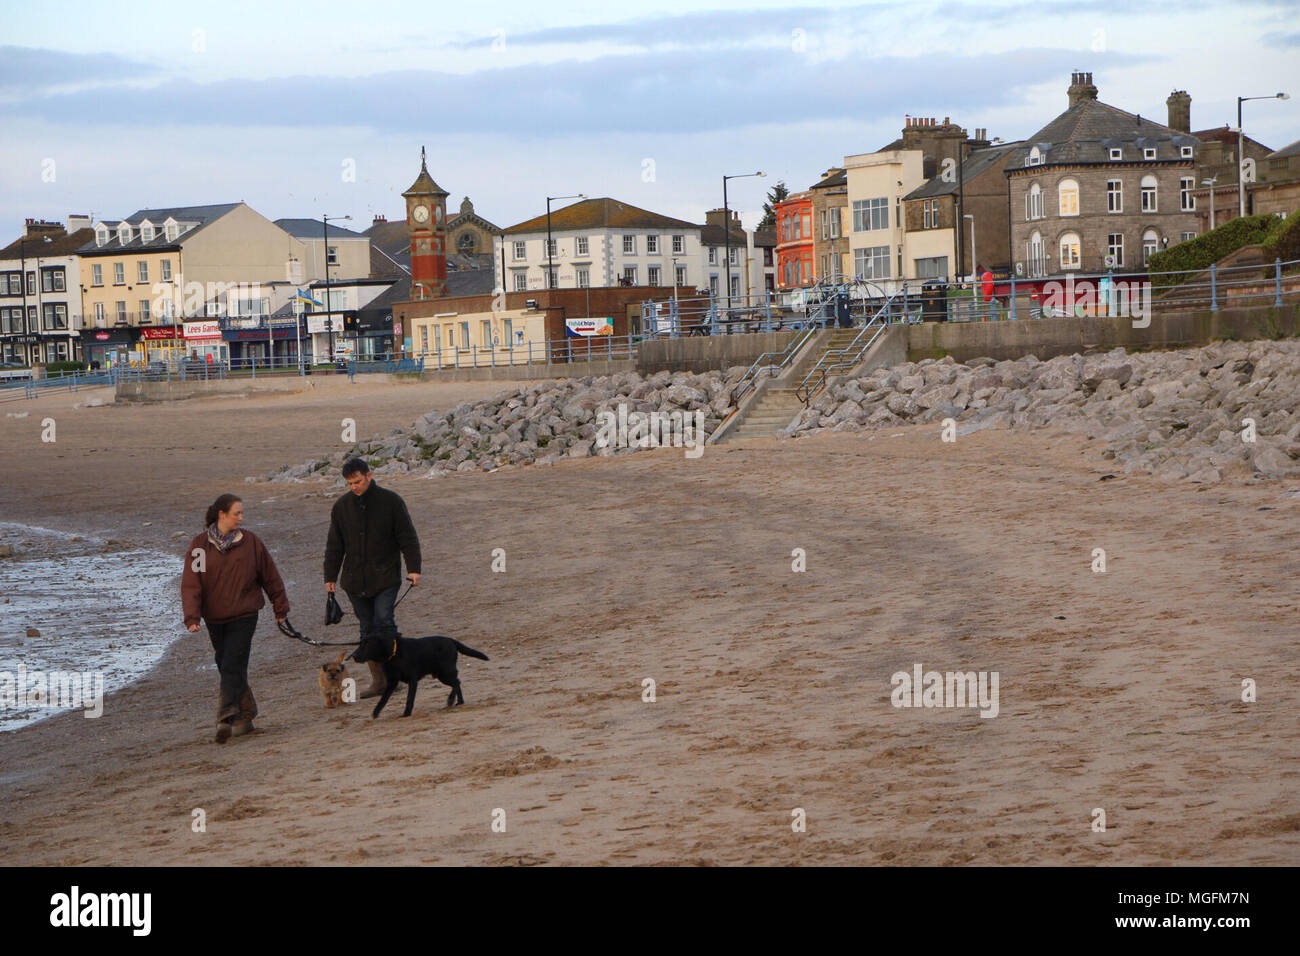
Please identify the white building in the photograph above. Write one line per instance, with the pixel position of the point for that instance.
(40, 292)
(877, 183)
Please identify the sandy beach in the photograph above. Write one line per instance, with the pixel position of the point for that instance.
(1118, 690)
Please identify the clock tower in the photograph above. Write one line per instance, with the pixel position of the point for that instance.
(426, 224)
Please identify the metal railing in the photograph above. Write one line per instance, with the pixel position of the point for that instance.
(772, 362)
(837, 360)
(565, 351)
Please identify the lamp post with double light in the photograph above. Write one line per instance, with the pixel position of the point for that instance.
(726, 231)
(551, 283)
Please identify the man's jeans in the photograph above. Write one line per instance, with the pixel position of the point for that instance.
(374, 610)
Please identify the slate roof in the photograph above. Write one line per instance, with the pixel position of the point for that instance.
(1085, 133)
(1226, 134)
(837, 177)
(597, 214)
(1292, 150)
(66, 244)
(979, 161)
(312, 229)
(196, 216)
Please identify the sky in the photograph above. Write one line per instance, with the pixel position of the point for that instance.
(303, 110)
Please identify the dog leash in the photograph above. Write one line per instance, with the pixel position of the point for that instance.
(288, 630)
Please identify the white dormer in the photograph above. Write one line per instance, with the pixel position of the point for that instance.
(171, 230)
(101, 233)
(1116, 154)
(146, 231)
(1035, 157)
(124, 232)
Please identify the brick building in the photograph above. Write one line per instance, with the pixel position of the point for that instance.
(1099, 187)
(830, 199)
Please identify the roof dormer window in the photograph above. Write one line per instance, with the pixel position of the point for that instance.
(1116, 153)
(1149, 152)
(146, 231)
(101, 234)
(170, 229)
(1035, 157)
(124, 233)
(1186, 152)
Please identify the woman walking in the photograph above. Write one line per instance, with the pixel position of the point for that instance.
(226, 571)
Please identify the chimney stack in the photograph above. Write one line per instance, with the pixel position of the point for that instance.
(1081, 88)
(1180, 111)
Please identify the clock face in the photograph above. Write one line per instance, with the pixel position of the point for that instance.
(420, 213)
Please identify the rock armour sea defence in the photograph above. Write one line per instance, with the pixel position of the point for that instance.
(1177, 415)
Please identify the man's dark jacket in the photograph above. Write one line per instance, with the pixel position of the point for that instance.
(367, 533)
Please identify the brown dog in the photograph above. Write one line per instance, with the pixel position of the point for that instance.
(331, 680)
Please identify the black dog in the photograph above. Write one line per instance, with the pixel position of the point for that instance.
(410, 658)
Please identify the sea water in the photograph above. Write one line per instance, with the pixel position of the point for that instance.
(100, 608)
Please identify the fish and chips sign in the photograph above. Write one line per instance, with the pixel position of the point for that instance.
(588, 327)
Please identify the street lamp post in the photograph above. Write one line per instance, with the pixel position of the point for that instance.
(726, 231)
(973, 265)
(550, 268)
(1241, 145)
(1210, 182)
(329, 319)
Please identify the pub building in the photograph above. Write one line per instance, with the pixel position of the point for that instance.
(106, 348)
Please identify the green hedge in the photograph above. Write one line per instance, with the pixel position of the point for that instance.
(1203, 251)
(1284, 242)
(65, 367)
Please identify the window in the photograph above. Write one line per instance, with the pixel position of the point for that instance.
(166, 266)
(925, 214)
(31, 283)
(872, 263)
(713, 255)
(52, 280)
(124, 233)
(652, 247)
(101, 234)
(1150, 245)
(1068, 197)
(332, 256)
(1070, 251)
(1034, 202)
(552, 279)
(835, 223)
(144, 311)
(485, 329)
(1114, 195)
(1186, 201)
(935, 267)
(735, 285)
(521, 282)
(767, 256)
(521, 251)
(142, 271)
(119, 274)
(584, 246)
(56, 316)
(1116, 153)
(121, 311)
(1188, 235)
(1148, 194)
(97, 274)
(1149, 152)
(679, 244)
(146, 231)
(870, 214)
(732, 255)
(629, 245)
(552, 247)
(15, 283)
(171, 230)
(584, 277)
(629, 275)
(681, 275)
(451, 336)
(508, 326)
(826, 224)
(424, 338)
(99, 314)
(464, 335)
(1115, 249)
(1186, 152)
(806, 220)
(1035, 157)
(652, 275)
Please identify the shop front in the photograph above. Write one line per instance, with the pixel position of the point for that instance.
(277, 345)
(166, 344)
(339, 326)
(374, 335)
(204, 343)
(106, 348)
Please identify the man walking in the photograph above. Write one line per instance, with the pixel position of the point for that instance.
(370, 533)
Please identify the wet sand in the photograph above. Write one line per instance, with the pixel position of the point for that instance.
(1118, 690)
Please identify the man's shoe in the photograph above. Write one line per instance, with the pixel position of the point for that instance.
(378, 682)
(241, 726)
(223, 731)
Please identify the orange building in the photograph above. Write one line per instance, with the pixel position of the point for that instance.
(794, 241)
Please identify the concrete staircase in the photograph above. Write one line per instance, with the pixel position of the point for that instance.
(778, 405)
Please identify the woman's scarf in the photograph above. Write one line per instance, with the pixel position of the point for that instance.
(222, 542)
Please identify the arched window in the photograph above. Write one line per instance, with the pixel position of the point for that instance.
(1035, 157)
(1068, 192)
(1150, 244)
(146, 231)
(467, 243)
(1148, 193)
(101, 234)
(1070, 251)
(1034, 202)
(1037, 265)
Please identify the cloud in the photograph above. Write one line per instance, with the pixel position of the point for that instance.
(1283, 41)
(24, 70)
(649, 93)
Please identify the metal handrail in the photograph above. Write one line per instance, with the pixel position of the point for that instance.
(750, 378)
(876, 325)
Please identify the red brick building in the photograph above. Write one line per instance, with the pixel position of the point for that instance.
(795, 261)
